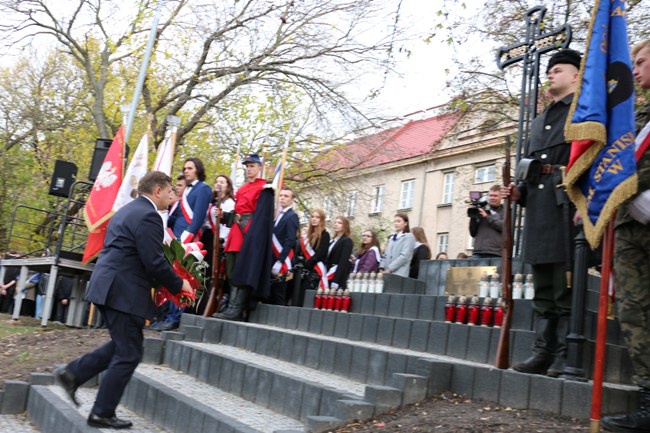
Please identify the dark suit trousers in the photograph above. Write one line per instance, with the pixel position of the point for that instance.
(119, 358)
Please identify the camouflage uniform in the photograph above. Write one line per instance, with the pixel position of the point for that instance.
(632, 273)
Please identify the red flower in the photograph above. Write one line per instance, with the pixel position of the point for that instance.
(187, 266)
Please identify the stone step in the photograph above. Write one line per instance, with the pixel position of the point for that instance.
(181, 403)
(472, 343)
(50, 409)
(380, 364)
(256, 378)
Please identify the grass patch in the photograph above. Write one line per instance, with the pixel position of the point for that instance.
(23, 325)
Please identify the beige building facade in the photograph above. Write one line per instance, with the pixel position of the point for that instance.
(424, 167)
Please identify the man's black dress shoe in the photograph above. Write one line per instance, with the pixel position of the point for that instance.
(112, 422)
(67, 382)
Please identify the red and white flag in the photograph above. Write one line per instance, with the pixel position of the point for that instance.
(137, 168)
(165, 153)
(99, 207)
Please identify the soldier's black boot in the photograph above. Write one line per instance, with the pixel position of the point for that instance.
(559, 360)
(227, 308)
(543, 348)
(238, 303)
(636, 422)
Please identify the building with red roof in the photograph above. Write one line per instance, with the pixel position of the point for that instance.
(423, 165)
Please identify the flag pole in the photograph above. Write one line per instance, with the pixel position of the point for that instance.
(143, 73)
(173, 123)
(601, 332)
(235, 165)
(283, 161)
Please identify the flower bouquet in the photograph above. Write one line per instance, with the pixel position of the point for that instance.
(187, 261)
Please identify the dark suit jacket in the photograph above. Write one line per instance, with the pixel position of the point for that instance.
(286, 232)
(131, 261)
(199, 199)
(340, 255)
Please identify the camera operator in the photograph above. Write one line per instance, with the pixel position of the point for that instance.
(485, 224)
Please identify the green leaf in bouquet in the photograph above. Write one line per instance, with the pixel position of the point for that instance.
(188, 261)
(169, 254)
(179, 251)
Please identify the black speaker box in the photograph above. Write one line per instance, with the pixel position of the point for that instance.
(65, 173)
(101, 149)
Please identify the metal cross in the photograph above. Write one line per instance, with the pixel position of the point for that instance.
(529, 52)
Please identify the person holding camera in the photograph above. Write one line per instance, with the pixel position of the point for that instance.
(485, 225)
(548, 228)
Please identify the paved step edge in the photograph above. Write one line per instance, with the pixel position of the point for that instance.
(52, 414)
(175, 411)
(472, 343)
(284, 392)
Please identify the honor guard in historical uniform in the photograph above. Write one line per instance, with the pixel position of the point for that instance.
(548, 227)
(246, 199)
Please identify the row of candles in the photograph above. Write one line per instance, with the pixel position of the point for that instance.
(458, 310)
(333, 300)
(366, 282)
(522, 288)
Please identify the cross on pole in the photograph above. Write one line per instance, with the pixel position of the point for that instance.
(528, 52)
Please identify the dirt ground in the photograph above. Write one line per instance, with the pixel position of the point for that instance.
(25, 348)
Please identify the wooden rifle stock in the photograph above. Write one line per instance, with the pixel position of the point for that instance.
(503, 349)
(217, 289)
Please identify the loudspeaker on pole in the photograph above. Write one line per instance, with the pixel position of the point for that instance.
(65, 173)
(101, 149)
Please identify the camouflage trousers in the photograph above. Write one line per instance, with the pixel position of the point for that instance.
(632, 283)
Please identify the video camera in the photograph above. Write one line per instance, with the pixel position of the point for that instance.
(477, 200)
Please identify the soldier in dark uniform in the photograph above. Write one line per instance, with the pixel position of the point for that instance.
(548, 227)
(631, 270)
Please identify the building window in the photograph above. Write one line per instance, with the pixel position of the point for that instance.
(352, 203)
(443, 243)
(407, 194)
(447, 188)
(328, 208)
(377, 199)
(486, 173)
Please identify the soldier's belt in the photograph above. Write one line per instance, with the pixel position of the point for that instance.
(549, 168)
(243, 219)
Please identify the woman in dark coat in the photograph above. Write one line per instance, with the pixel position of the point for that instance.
(338, 257)
(420, 252)
(314, 249)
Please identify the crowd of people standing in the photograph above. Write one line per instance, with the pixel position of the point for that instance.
(320, 256)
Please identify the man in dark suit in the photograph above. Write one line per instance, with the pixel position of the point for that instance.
(285, 234)
(120, 287)
(190, 214)
(186, 221)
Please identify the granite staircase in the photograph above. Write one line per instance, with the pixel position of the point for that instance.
(292, 370)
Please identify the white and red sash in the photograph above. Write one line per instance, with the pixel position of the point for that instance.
(186, 209)
(277, 250)
(212, 217)
(331, 272)
(320, 268)
(642, 141)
